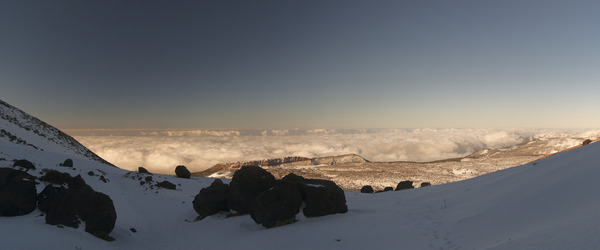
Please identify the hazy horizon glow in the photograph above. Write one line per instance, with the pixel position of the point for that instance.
(302, 64)
(160, 151)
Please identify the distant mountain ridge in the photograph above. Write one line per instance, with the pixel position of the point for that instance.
(22, 128)
(284, 161)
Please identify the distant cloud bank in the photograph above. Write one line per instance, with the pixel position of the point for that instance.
(161, 150)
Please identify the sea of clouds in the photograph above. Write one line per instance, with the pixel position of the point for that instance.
(161, 150)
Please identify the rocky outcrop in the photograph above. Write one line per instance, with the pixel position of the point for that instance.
(586, 142)
(182, 172)
(278, 205)
(425, 184)
(67, 206)
(17, 192)
(246, 184)
(212, 199)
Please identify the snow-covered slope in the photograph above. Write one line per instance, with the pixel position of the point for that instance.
(549, 204)
(18, 127)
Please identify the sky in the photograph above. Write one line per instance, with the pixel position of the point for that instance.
(302, 64)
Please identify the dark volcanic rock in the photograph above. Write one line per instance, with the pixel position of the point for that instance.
(56, 177)
(167, 185)
(322, 197)
(388, 189)
(24, 164)
(404, 185)
(67, 163)
(367, 189)
(182, 172)
(212, 199)
(17, 192)
(50, 197)
(425, 184)
(143, 170)
(293, 178)
(586, 142)
(79, 202)
(277, 206)
(246, 184)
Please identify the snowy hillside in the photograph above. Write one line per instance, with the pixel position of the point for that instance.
(548, 204)
(23, 129)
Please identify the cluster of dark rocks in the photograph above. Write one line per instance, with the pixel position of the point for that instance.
(270, 202)
(149, 180)
(401, 186)
(66, 200)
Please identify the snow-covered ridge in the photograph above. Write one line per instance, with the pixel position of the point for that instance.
(23, 129)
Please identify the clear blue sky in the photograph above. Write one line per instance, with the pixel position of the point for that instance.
(307, 64)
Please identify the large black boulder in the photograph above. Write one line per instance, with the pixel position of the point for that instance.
(322, 197)
(246, 184)
(278, 205)
(24, 164)
(67, 206)
(17, 192)
(50, 197)
(182, 172)
(404, 185)
(212, 199)
(367, 189)
(586, 142)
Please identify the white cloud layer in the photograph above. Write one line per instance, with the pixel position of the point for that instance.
(161, 151)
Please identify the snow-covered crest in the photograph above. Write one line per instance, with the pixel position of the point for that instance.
(23, 129)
